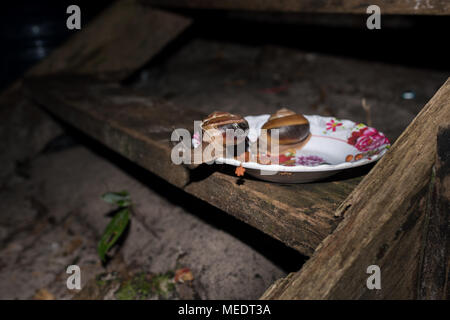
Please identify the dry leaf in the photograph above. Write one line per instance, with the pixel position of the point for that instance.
(43, 294)
(183, 275)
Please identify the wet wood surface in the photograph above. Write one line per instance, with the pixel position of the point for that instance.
(139, 128)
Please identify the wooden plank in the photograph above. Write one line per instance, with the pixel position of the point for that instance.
(139, 128)
(116, 43)
(105, 47)
(383, 222)
(421, 7)
(434, 273)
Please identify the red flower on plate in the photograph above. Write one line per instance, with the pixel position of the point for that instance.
(367, 139)
(286, 160)
(282, 158)
(332, 125)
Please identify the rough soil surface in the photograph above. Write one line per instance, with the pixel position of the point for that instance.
(55, 217)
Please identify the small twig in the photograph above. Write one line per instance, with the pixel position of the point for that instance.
(366, 108)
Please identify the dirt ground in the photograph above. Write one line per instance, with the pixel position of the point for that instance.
(55, 218)
(52, 178)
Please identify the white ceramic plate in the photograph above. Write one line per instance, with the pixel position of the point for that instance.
(334, 145)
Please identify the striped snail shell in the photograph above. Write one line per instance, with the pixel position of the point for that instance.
(293, 128)
(218, 122)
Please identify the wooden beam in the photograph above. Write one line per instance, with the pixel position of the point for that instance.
(420, 7)
(139, 128)
(120, 40)
(383, 222)
(116, 43)
(434, 273)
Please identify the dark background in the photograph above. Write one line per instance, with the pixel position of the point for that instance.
(31, 29)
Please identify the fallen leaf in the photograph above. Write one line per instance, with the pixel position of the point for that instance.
(43, 294)
(183, 275)
(72, 246)
(112, 232)
(122, 198)
(272, 90)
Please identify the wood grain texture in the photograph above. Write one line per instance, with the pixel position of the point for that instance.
(423, 7)
(434, 273)
(116, 43)
(139, 128)
(383, 222)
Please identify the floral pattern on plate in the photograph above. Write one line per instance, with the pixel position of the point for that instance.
(295, 159)
(366, 141)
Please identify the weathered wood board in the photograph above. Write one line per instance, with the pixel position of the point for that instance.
(434, 272)
(140, 127)
(435, 7)
(383, 222)
(114, 45)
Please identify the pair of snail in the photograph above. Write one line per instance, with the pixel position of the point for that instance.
(292, 129)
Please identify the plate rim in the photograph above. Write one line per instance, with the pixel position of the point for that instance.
(300, 168)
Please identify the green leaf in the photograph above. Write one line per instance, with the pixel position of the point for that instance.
(122, 198)
(113, 232)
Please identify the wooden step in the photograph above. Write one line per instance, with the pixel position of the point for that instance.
(394, 220)
(430, 7)
(139, 128)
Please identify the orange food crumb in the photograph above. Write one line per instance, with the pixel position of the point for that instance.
(239, 171)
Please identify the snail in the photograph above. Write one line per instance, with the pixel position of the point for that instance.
(293, 128)
(215, 128)
(293, 134)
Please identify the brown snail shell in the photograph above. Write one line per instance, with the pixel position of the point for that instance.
(217, 124)
(224, 120)
(293, 128)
